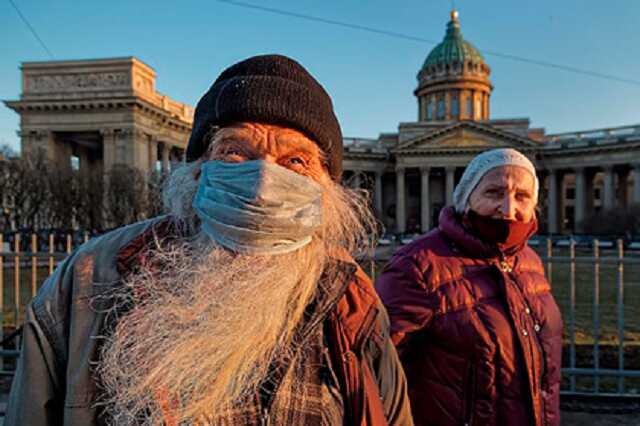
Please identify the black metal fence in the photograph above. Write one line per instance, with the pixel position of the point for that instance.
(597, 288)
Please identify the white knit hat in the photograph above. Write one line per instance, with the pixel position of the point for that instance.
(480, 165)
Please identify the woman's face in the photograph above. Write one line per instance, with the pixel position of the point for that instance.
(505, 192)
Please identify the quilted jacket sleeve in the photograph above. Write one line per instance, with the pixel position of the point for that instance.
(402, 289)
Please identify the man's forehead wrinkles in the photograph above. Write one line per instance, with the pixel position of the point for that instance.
(233, 133)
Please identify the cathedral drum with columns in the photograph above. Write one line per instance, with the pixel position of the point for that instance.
(107, 111)
(412, 173)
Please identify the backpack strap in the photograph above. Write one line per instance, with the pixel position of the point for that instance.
(351, 324)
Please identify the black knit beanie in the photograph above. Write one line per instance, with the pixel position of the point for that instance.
(270, 89)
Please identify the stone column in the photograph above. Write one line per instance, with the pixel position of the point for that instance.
(485, 106)
(450, 185)
(357, 179)
(401, 219)
(623, 178)
(609, 195)
(59, 150)
(580, 204)
(108, 149)
(476, 110)
(125, 147)
(590, 193)
(553, 206)
(425, 199)
(447, 106)
(636, 183)
(141, 150)
(166, 151)
(153, 153)
(378, 194)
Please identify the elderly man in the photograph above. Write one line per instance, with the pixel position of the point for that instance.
(242, 306)
(478, 331)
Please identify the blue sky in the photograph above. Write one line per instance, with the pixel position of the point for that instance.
(370, 77)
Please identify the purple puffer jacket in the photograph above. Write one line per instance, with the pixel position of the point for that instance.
(479, 332)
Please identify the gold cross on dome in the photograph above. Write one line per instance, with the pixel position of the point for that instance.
(454, 11)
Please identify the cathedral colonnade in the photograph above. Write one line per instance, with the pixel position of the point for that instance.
(573, 194)
(408, 199)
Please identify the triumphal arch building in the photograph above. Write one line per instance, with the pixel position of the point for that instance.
(107, 111)
(100, 112)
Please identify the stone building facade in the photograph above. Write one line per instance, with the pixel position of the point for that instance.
(100, 112)
(107, 111)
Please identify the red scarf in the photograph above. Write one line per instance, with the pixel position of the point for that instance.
(505, 234)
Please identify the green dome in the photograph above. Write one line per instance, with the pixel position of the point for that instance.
(453, 48)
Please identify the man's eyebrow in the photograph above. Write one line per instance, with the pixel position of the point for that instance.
(306, 151)
(231, 136)
(298, 149)
(235, 140)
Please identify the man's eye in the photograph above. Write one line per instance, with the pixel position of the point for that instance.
(232, 151)
(297, 161)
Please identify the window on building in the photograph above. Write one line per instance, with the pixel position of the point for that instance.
(596, 193)
(469, 107)
(75, 162)
(429, 109)
(571, 194)
(568, 217)
(440, 112)
(455, 106)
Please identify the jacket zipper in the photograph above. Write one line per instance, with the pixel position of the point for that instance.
(528, 320)
(504, 265)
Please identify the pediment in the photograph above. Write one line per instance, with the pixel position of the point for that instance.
(463, 139)
(466, 135)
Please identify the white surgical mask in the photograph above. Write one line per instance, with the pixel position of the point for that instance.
(257, 207)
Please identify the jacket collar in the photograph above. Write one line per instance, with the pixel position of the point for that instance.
(135, 252)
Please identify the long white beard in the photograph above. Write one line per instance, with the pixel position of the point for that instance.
(204, 328)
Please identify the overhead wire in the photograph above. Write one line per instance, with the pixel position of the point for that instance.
(359, 27)
(32, 29)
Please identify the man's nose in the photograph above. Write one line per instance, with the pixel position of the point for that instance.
(266, 156)
(508, 208)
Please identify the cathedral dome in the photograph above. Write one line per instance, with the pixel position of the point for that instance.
(453, 83)
(454, 48)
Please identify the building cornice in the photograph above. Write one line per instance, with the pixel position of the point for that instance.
(112, 103)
